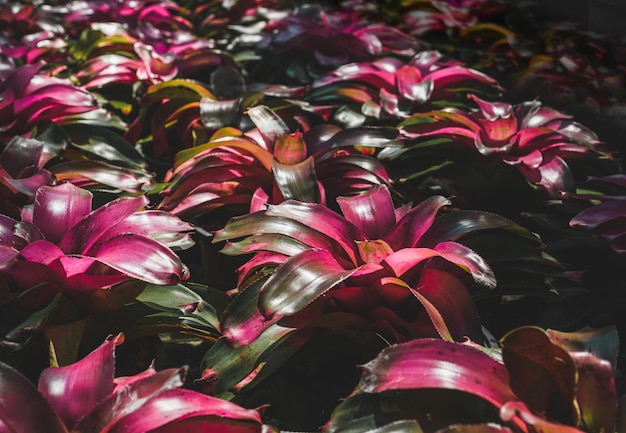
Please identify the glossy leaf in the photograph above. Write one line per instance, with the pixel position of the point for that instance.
(141, 258)
(175, 405)
(85, 233)
(414, 224)
(27, 410)
(74, 390)
(59, 209)
(299, 281)
(297, 181)
(372, 212)
(128, 399)
(431, 363)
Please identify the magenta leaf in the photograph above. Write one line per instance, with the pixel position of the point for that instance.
(270, 242)
(323, 220)
(433, 313)
(128, 399)
(58, 208)
(142, 258)
(158, 225)
(299, 281)
(262, 223)
(170, 407)
(451, 299)
(86, 232)
(469, 260)
(29, 185)
(23, 409)
(41, 251)
(406, 259)
(432, 363)
(410, 228)
(20, 153)
(372, 212)
(593, 216)
(74, 390)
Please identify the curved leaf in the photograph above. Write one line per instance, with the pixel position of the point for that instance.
(435, 316)
(59, 208)
(412, 226)
(323, 220)
(225, 366)
(297, 181)
(517, 409)
(158, 225)
(372, 211)
(142, 258)
(543, 374)
(172, 406)
(85, 233)
(128, 399)
(270, 125)
(432, 363)
(283, 223)
(299, 281)
(103, 173)
(469, 260)
(453, 226)
(74, 390)
(23, 409)
(602, 342)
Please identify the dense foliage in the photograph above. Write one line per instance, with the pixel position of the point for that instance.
(275, 215)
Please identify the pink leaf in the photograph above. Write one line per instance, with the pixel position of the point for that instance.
(432, 363)
(299, 281)
(23, 409)
(74, 390)
(469, 260)
(86, 232)
(142, 258)
(41, 251)
(410, 228)
(58, 208)
(372, 211)
(172, 406)
(127, 400)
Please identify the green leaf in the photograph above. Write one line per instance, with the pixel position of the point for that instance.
(180, 299)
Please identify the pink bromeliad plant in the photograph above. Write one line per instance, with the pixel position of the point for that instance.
(62, 245)
(244, 172)
(390, 88)
(323, 256)
(28, 96)
(87, 397)
(379, 274)
(538, 141)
